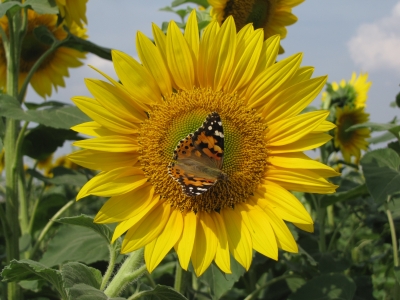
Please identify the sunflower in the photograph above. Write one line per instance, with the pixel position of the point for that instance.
(351, 143)
(270, 15)
(55, 67)
(356, 90)
(73, 11)
(237, 112)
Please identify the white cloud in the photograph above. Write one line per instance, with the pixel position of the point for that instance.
(377, 45)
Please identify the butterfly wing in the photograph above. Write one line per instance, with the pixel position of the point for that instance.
(199, 157)
(209, 140)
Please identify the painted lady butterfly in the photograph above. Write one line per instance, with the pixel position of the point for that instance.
(199, 157)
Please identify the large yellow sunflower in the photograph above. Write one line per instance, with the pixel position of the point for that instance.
(352, 142)
(73, 11)
(270, 15)
(222, 190)
(55, 67)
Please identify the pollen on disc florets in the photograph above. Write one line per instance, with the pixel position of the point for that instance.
(245, 153)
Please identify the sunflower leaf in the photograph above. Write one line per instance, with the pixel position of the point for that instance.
(325, 287)
(83, 291)
(73, 243)
(218, 281)
(85, 221)
(62, 176)
(203, 3)
(42, 6)
(358, 191)
(74, 273)
(161, 292)
(26, 269)
(393, 128)
(382, 173)
(60, 117)
(13, 7)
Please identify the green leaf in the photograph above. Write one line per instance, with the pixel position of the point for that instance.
(162, 292)
(87, 46)
(42, 141)
(382, 173)
(72, 243)
(26, 269)
(60, 117)
(393, 128)
(83, 291)
(294, 283)
(324, 287)
(218, 281)
(13, 6)
(42, 6)
(387, 136)
(396, 271)
(74, 273)
(203, 3)
(330, 264)
(50, 103)
(44, 35)
(62, 176)
(85, 221)
(358, 191)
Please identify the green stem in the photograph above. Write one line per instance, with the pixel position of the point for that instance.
(254, 294)
(150, 279)
(178, 278)
(131, 270)
(23, 201)
(393, 234)
(48, 226)
(321, 216)
(110, 268)
(12, 51)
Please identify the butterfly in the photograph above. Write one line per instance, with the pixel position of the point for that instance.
(198, 158)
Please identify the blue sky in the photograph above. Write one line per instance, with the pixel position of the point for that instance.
(337, 37)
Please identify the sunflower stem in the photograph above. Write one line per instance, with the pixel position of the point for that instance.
(178, 278)
(48, 226)
(132, 268)
(393, 234)
(12, 50)
(110, 268)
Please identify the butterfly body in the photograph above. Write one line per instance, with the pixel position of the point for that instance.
(198, 158)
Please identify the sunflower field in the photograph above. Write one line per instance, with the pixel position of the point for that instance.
(213, 164)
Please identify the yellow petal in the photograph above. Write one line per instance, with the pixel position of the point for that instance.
(205, 244)
(160, 246)
(293, 129)
(299, 160)
(305, 227)
(308, 142)
(300, 180)
(239, 238)
(92, 128)
(184, 245)
(110, 143)
(180, 61)
(112, 183)
(284, 204)
(137, 218)
(137, 80)
(292, 100)
(110, 97)
(324, 127)
(222, 56)
(104, 161)
(269, 81)
(222, 256)
(123, 207)
(245, 62)
(154, 63)
(192, 33)
(147, 229)
(263, 237)
(104, 117)
(269, 53)
(206, 43)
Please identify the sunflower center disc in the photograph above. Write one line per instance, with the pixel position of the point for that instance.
(245, 153)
